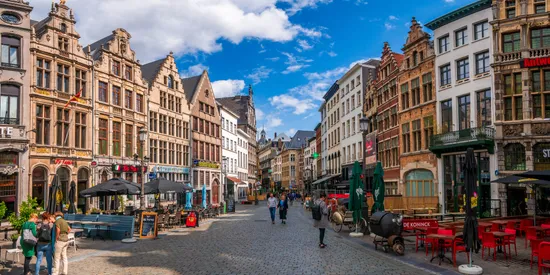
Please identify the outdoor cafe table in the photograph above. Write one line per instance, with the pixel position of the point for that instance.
(501, 236)
(441, 239)
(501, 223)
(456, 214)
(539, 229)
(430, 215)
(422, 209)
(97, 226)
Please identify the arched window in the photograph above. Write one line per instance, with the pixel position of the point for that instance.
(11, 51)
(514, 157)
(420, 183)
(170, 82)
(104, 177)
(64, 176)
(39, 183)
(83, 178)
(541, 156)
(9, 104)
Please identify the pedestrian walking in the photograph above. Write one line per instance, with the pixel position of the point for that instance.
(28, 228)
(45, 242)
(62, 230)
(283, 208)
(322, 224)
(272, 205)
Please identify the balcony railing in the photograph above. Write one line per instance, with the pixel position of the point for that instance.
(465, 135)
(9, 120)
(539, 52)
(505, 57)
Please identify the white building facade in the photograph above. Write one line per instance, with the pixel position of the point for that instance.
(229, 153)
(465, 103)
(242, 189)
(310, 164)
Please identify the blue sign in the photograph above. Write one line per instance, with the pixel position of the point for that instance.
(152, 175)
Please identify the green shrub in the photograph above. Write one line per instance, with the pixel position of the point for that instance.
(3, 209)
(25, 210)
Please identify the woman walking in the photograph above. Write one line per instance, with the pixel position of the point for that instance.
(283, 207)
(28, 249)
(45, 243)
(272, 205)
(323, 222)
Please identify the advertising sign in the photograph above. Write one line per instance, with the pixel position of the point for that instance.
(535, 62)
(148, 225)
(410, 224)
(370, 148)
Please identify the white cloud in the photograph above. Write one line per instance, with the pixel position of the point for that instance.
(290, 132)
(263, 50)
(160, 26)
(193, 70)
(295, 63)
(294, 68)
(332, 54)
(273, 122)
(449, 1)
(273, 58)
(286, 101)
(298, 5)
(392, 17)
(227, 88)
(361, 2)
(258, 74)
(260, 115)
(389, 26)
(304, 45)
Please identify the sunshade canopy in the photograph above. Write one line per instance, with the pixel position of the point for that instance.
(114, 186)
(161, 185)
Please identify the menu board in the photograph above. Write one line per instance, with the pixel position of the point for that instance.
(148, 225)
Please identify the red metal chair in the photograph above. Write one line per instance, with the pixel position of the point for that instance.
(524, 224)
(459, 246)
(544, 256)
(495, 227)
(489, 242)
(531, 235)
(431, 241)
(535, 250)
(511, 240)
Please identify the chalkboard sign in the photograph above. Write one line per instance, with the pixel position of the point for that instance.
(148, 225)
(230, 205)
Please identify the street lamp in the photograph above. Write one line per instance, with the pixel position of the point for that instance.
(224, 173)
(142, 137)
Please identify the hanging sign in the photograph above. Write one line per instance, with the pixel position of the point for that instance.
(148, 225)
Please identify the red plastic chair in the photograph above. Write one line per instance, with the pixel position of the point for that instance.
(495, 227)
(420, 237)
(431, 241)
(480, 230)
(546, 227)
(544, 256)
(524, 224)
(459, 246)
(511, 240)
(535, 250)
(489, 242)
(531, 235)
(511, 225)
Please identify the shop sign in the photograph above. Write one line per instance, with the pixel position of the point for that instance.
(127, 168)
(170, 169)
(370, 148)
(93, 164)
(205, 164)
(68, 162)
(535, 62)
(6, 132)
(546, 153)
(410, 224)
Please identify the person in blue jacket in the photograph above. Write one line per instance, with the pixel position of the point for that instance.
(283, 208)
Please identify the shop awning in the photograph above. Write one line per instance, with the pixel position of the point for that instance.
(235, 180)
(325, 179)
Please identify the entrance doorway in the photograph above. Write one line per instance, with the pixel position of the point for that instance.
(64, 177)
(516, 201)
(83, 178)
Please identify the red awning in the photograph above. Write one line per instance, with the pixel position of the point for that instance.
(235, 180)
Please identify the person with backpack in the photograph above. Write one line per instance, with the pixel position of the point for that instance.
(283, 208)
(28, 241)
(319, 212)
(62, 230)
(45, 243)
(272, 205)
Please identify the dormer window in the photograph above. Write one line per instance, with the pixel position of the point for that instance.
(63, 44)
(63, 28)
(170, 83)
(206, 94)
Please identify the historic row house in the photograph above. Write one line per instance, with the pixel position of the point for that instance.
(120, 112)
(169, 154)
(61, 133)
(15, 80)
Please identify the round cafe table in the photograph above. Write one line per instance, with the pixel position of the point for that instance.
(441, 253)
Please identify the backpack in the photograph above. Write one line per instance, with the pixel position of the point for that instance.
(28, 237)
(316, 211)
(45, 234)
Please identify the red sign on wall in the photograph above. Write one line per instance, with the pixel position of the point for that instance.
(535, 62)
(68, 162)
(410, 224)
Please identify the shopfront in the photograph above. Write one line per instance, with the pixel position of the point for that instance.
(9, 177)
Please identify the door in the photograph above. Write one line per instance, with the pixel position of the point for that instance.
(517, 197)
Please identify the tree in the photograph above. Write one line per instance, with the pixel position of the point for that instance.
(25, 210)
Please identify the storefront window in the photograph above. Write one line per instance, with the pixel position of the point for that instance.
(514, 157)
(39, 183)
(83, 177)
(391, 188)
(419, 183)
(64, 177)
(541, 160)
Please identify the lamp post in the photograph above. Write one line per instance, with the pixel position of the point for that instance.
(224, 173)
(142, 138)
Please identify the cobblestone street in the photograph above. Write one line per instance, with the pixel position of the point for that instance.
(241, 243)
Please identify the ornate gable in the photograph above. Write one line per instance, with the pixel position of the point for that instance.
(416, 34)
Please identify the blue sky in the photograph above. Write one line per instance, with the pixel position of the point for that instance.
(291, 51)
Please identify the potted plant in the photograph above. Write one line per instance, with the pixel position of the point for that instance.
(13, 239)
(25, 210)
(3, 210)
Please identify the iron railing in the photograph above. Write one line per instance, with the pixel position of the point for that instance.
(9, 120)
(489, 208)
(465, 135)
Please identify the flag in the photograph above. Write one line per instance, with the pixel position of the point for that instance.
(73, 98)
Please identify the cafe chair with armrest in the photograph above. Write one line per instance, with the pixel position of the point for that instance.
(72, 240)
(431, 241)
(531, 234)
(447, 244)
(489, 242)
(523, 225)
(544, 256)
(546, 227)
(459, 246)
(420, 238)
(495, 227)
(535, 250)
(509, 240)
(512, 225)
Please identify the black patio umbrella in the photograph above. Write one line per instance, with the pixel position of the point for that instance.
(471, 237)
(52, 196)
(112, 187)
(72, 193)
(540, 175)
(161, 185)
